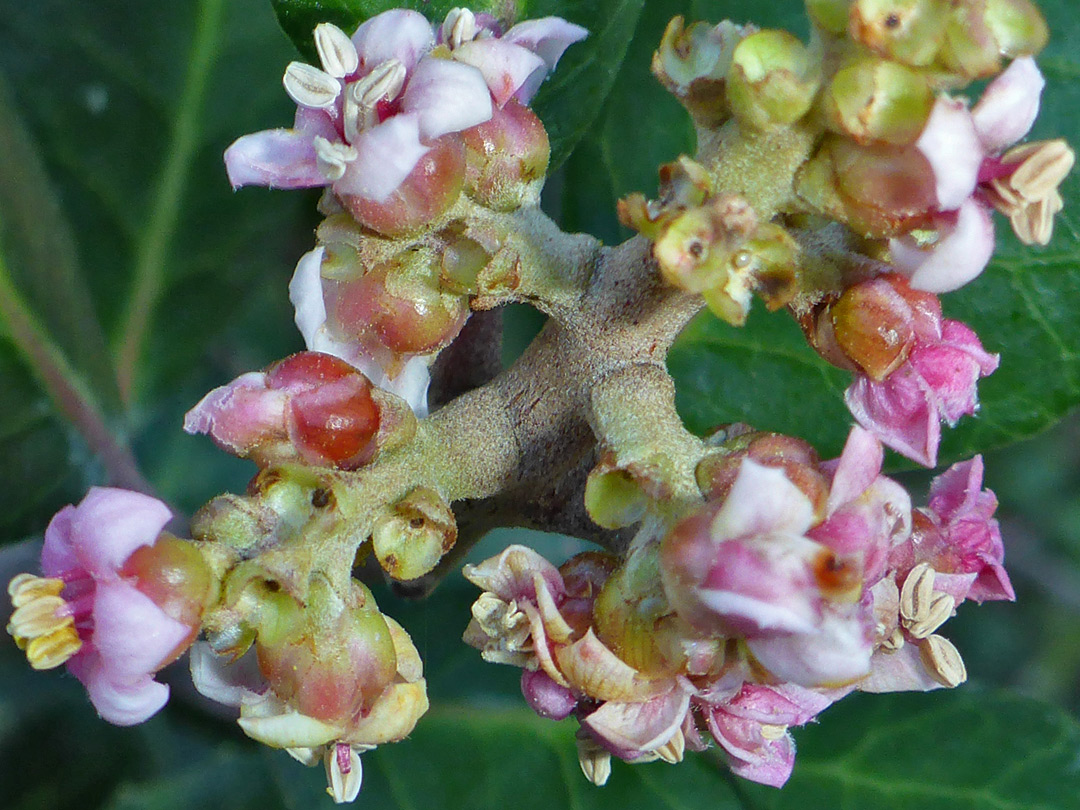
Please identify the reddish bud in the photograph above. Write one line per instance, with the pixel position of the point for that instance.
(505, 157)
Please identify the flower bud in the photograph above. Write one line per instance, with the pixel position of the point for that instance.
(463, 259)
(176, 578)
(412, 537)
(970, 48)
(772, 81)
(422, 198)
(398, 305)
(506, 158)
(830, 15)
(1018, 27)
(879, 100)
(692, 62)
(909, 31)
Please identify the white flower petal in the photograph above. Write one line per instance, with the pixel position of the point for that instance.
(447, 96)
(1009, 105)
(951, 145)
(395, 34)
(306, 295)
(388, 152)
(961, 253)
(504, 65)
(547, 37)
(279, 158)
(762, 501)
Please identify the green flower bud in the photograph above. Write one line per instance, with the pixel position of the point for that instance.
(878, 100)
(910, 31)
(1017, 25)
(830, 15)
(970, 48)
(411, 537)
(773, 80)
(461, 262)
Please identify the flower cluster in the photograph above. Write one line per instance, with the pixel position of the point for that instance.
(795, 583)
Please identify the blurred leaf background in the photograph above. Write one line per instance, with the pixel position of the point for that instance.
(133, 280)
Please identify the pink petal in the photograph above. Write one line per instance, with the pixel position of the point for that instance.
(447, 96)
(899, 411)
(279, 158)
(395, 34)
(634, 727)
(949, 142)
(1009, 105)
(782, 705)
(111, 523)
(899, 671)
(58, 553)
(860, 464)
(505, 66)
(547, 37)
(768, 762)
(762, 501)
(838, 653)
(510, 574)
(955, 493)
(133, 635)
(388, 153)
(545, 697)
(963, 250)
(240, 415)
(123, 703)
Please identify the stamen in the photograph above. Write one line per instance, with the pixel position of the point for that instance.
(343, 772)
(42, 624)
(459, 27)
(336, 51)
(332, 158)
(362, 98)
(1042, 167)
(310, 87)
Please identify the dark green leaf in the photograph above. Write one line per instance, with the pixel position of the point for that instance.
(962, 750)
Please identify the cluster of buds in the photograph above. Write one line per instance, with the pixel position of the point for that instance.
(795, 583)
(416, 131)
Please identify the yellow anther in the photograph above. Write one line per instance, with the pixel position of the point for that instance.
(41, 625)
(47, 652)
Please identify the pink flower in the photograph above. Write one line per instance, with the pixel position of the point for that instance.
(310, 407)
(514, 64)
(963, 148)
(936, 383)
(126, 637)
(368, 116)
(752, 728)
(744, 567)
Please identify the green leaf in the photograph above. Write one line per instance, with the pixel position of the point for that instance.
(570, 100)
(128, 108)
(966, 749)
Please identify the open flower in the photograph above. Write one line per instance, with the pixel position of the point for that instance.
(119, 601)
(366, 118)
(973, 170)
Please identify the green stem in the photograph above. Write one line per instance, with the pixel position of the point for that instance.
(152, 249)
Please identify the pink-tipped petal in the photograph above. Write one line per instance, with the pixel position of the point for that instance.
(388, 152)
(837, 653)
(58, 553)
(858, 468)
(898, 671)
(241, 415)
(639, 726)
(762, 500)
(279, 158)
(395, 34)
(446, 96)
(958, 493)
(1009, 105)
(125, 703)
(111, 523)
(504, 65)
(547, 37)
(963, 250)
(898, 411)
(951, 145)
(306, 295)
(131, 633)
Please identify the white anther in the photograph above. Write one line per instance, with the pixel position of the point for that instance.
(333, 158)
(917, 593)
(343, 772)
(310, 87)
(384, 82)
(942, 660)
(1043, 165)
(336, 51)
(672, 751)
(941, 608)
(595, 761)
(459, 26)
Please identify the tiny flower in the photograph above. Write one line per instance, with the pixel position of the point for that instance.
(365, 119)
(119, 601)
(309, 407)
(515, 63)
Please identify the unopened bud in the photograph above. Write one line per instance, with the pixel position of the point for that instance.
(874, 327)
(176, 578)
(831, 15)
(1018, 27)
(414, 534)
(422, 198)
(970, 48)
(879, 100)
(910, 31)
(506, 158)
(772, 81)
